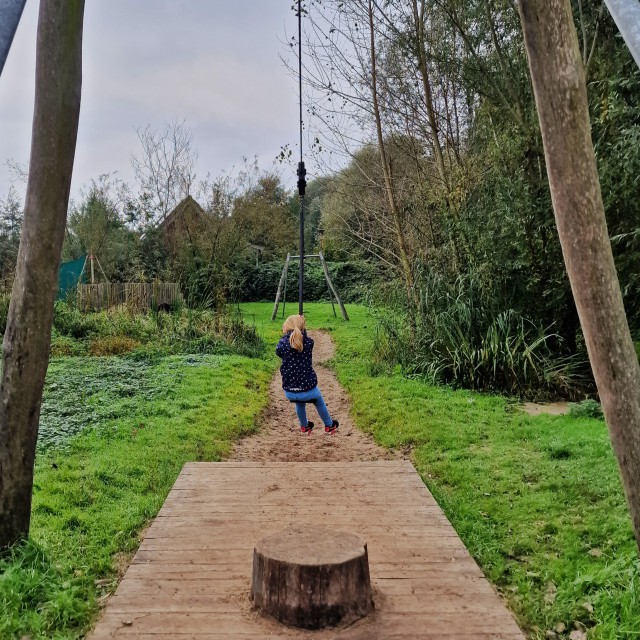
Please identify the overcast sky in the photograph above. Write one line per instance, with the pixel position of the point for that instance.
(214, 63)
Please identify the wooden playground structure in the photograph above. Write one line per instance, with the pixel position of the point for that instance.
(281, 294)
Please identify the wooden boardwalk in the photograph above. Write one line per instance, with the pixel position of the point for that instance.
(191, 575)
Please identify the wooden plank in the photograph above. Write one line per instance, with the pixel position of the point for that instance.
(191, 575)
(444, 625)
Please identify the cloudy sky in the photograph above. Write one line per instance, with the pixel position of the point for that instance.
(214, 63)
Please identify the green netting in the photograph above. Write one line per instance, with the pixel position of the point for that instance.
(70, 273)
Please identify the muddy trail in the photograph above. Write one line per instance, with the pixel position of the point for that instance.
(279, 438)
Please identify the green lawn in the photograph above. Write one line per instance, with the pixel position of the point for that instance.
(537, 501)
(140, 423)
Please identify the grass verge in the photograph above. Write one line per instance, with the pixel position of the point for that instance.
(537, 500)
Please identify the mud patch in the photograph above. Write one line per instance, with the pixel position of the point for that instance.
(549, 408)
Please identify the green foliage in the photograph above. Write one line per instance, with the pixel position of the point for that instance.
(100, 224)
(486, 209)
(586, 409)
(65, 346)
(119, 331)
(259, 282)
(4, 310)
(10, 226)
(460, 337)
(81, 393)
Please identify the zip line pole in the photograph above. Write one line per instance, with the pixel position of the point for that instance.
(10, 13)
(302, 172)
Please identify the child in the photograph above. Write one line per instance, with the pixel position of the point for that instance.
(299, 380)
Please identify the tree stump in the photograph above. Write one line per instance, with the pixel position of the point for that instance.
(312, 577)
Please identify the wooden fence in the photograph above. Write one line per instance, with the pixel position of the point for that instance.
(138, 296)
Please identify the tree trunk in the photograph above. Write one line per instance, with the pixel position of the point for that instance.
(386, 168)
(312, 577)
(561, 97)
(25, 350)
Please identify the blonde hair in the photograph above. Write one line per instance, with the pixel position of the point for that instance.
(296, 325)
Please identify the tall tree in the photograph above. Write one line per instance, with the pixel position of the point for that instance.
(396, 214)
(166, 168)
(558, 73)
(25, 350)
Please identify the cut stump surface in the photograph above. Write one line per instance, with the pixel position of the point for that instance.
(312, 577)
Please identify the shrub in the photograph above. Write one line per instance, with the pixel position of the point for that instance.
(458, 337)
(120, 331)
(255, 283)
(69, 321)
(4, 311)
(586, 409)
(66, 346)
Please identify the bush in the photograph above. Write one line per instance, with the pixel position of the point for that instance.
(119, 331)
(258, 283)
(459, 338)
(69, 321)
(4, 311)
(586, 409)
(66, 346)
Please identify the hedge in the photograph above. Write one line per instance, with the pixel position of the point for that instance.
(259, 282)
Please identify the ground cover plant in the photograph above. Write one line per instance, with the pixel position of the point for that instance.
(537, 500)
(115, 432)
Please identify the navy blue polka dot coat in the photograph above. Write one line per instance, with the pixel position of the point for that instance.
(297, 372)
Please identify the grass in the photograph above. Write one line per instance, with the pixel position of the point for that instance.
(94, 493)
(537, 500)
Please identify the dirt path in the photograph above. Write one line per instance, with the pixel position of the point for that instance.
(279, 438)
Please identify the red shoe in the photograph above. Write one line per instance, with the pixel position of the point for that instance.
(308, 429)
(333, 428)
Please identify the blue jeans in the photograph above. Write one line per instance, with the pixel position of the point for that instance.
(301, 409)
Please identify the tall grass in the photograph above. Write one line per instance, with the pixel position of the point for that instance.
(118, 330)
(458, 337)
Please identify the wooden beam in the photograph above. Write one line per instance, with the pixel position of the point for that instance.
(280, 284)
(332, 288)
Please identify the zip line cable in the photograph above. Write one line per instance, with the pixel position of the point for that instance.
(302, 172)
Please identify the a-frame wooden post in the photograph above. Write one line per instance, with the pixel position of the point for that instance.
(331, 286)
(283, 279)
